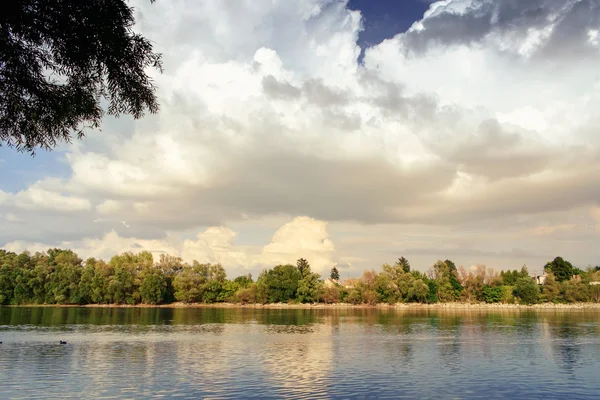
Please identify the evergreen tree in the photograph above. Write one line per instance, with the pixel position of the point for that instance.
(303, 267)
(404, 264)
(335, 274)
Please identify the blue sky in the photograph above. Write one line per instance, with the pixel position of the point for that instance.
(385, 18)
(20, 170)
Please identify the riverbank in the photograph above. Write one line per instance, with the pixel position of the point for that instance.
(399, 306)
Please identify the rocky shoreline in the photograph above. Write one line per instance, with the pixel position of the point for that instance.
(399, 306)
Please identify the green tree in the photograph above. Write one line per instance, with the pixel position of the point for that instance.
(59, 58)
(279, 284)
(432, 296)
(6, 283)
(248, 295)
(550, 288)
(303, 267)
(400, 279)
(509, 278)
(418, 291)
(244, 281)
(403, 264)
(86, 283)
(562, 270)
(211, 291)
(63, 284)
(527, 290)
(121, 286)
(153, 288)
(508, 295)
(228, 290)
(308, 288)
(456, 285)
(215, 279)
(575, 291)
(199, 282)
(335, 274)
(170, 265)
(386, 288)
(103, 273)
(446, 276)
(354, 297)
(492, 294)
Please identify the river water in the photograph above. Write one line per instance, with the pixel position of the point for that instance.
(292, 353)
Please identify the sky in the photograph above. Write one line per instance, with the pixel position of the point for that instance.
(347, 133)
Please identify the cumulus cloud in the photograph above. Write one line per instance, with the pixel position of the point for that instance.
(302, 237)
(38, 198)
(483, 114)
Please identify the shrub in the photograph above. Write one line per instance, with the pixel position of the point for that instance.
(247, 295)
(574, 291)
(507, 294)
(354, 297)
(371, 297)
(330, 295)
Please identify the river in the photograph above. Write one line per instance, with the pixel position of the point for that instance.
(298, 353)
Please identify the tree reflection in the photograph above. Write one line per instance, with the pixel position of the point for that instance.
(567, 351)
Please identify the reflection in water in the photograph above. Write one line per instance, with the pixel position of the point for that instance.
(297, 364)
(567, 349)
(310, 353)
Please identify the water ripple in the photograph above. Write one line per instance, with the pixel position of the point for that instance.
(351, 354)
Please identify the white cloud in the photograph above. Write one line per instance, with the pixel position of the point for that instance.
(302, 237)
(217, 245)
(37, 198)
(483, 112)
(108, 207)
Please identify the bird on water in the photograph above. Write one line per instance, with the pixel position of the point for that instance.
(63, 342)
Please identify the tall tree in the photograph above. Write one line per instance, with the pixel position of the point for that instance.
(404, 264)
(562, 269)
(335, 274)
(279, 284)
(448, 286)
(59, 58)
(303, 267)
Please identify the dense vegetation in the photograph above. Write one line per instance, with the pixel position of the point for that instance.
(61, 277)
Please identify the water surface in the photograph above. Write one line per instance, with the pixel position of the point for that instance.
(292, 353)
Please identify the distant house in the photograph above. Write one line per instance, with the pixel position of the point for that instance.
(350, 283)
(541, 279)
(330, 283)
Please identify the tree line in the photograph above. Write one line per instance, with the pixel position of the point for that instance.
(59, 276)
